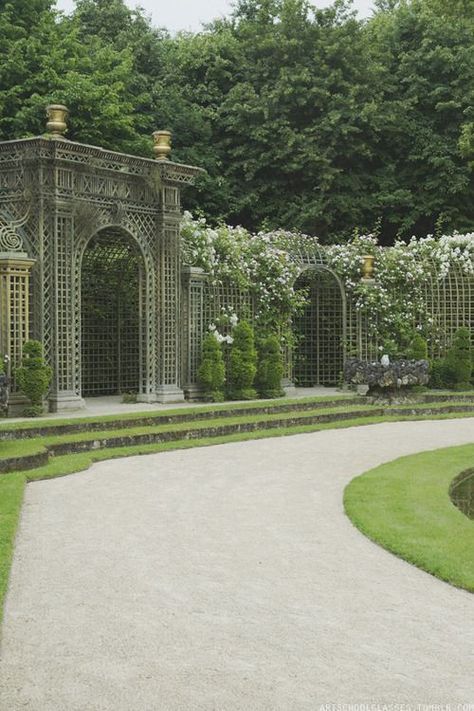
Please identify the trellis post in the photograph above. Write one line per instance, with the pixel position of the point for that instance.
(194, 280)
(15, 268)
(168, 256)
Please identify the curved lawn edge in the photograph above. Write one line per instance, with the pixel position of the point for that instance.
(404, 506)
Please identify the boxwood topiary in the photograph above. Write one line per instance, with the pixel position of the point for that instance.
(211, 373)
(269, 368)
(242, 363)
(418, 348)
(458, 362)
(33, 376)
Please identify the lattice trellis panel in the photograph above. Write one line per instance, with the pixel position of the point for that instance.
(14, 307)
(218, 302)
(319, 331)
(450, 302)
(112, 337)
(223, 299)
(361, 341)
(170, 292)
(192, 322)
(64, 326)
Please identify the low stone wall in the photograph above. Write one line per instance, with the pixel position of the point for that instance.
(163, 419)
(399, 374)
(293, 420)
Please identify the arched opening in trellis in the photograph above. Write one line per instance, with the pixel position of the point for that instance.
(319, 329)
(112, 282)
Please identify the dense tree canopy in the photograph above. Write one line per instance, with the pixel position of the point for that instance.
(304, 119)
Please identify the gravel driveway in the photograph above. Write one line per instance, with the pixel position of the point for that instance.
(228, 578)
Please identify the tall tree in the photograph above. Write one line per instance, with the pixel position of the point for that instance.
(425, 66)
(44, 58)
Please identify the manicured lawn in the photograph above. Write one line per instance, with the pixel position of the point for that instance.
(404, 506)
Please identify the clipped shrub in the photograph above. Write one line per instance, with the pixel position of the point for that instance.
(33, 411)
(418, 348)
(269, 368)
(437, 373)
(129, 397)
(33, 376)
(390, 348)
(211, 373)
(458, 362)
(242, 363)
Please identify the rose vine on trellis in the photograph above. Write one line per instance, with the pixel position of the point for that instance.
(395, 303)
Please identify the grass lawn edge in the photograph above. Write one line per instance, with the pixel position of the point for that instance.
(404, 507)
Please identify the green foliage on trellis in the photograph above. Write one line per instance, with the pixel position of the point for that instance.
(257, 263)
(33, 376)
(242, 363)
(211, 373)
(398, 301)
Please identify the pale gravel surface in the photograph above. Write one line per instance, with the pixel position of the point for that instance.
(228, 578)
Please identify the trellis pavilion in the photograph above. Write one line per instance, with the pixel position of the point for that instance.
(90, 265)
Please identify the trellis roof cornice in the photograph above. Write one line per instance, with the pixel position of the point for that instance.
(46, 148)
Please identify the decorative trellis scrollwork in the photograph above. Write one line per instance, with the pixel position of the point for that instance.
(10, 239)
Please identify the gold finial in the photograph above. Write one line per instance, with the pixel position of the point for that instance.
(162, 147)
(368, 267)
(57, 115)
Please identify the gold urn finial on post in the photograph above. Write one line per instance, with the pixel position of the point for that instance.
(57, 116)
(162, 145)
(368, 268)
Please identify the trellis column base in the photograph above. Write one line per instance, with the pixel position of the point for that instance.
(17, 404)
(193, 392)
(169, 393)
(288, 387)
(147, 397)
(59, 402)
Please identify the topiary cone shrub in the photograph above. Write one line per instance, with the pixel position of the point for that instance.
(269, 368)
(419, 348)
(457, 368)
(242, 363)
(33, 377)
(211, 373)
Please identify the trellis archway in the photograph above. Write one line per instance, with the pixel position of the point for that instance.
(319, 329)
(113, 347)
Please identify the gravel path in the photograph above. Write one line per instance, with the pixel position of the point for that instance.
(228, 578)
